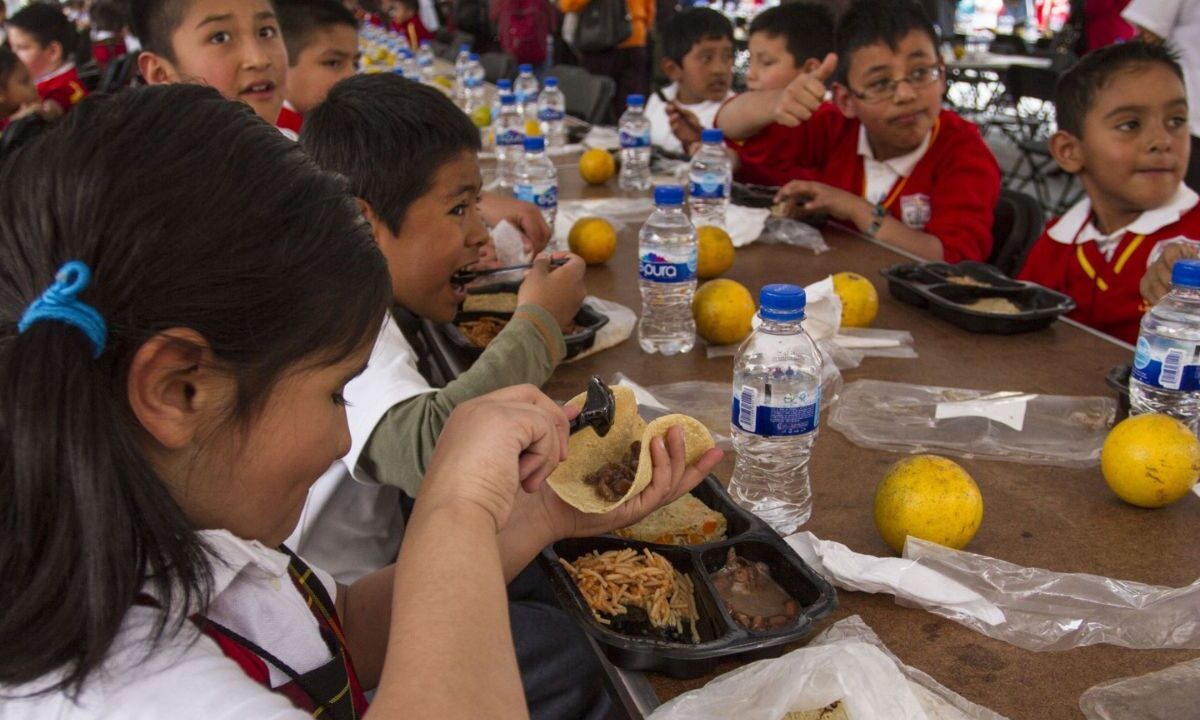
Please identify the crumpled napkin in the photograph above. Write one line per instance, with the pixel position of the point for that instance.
(904, 578)
(621, 322)
(745, 224)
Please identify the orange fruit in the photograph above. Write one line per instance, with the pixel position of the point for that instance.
(592, 239)
(596, 166)
(716, 251)
(860, 302)
(929, 497)
(723, 310)
(1150, 460)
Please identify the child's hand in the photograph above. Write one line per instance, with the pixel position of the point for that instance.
(1157, 281)
(805, 197)
(684, 124)
(803, 95)
(559, 291)
(524, 216)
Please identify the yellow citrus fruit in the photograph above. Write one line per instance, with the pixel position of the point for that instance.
(928, 497)
(592, 239)
(596, 166)
(1150, 460)
(723, 310)
(533, 128)
(481, 116)
(716, 252)
(443, 81)
(860, 302)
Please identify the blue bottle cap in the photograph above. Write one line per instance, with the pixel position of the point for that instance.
(536, 143)
(1186, 273)
(635, 100)
(406, 53)
(504, 84)
(524, 68)
(465, 47)
(508, 99)
(473, 57)
(668, 195)
(712, 135)
(782, 302)
(424, 43)
(550, 81)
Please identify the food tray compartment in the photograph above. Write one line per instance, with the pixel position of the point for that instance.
(1039, 308)
(588, 320)
(970, 274)
(738, 521)
(753, 196)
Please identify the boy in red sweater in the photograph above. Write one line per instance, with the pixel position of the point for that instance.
(1123, 129)
(322, 44)
(43, 37)
(889, 160)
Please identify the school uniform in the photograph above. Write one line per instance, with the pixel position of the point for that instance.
(289, 119)
(262, 598)
(660, 124)
(1103, 273)
(412, 30)
(947, 187)
(62, 86)
(107, 47)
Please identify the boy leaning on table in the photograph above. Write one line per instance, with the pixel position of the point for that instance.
(1123, 130)
(883, 156)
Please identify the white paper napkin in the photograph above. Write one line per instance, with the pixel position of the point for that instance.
(745, 224)
(896, 576)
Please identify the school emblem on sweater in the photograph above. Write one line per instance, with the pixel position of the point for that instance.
(916, 210)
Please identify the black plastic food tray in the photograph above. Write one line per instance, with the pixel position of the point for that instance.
(1118, 380)
(928, 285)
(588, 320)
(720, 635)
(754, 196)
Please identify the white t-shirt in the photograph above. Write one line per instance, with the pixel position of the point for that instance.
(882, 175)
(660, 125)
(187, 676)
(1177, 22)
(348, 527)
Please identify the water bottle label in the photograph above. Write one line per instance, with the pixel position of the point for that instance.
(1167, 364)
(629, 140)
(550, 115)
(544, 196)
(511, 136)
(656, 268)
(709, 186)
(795, 415)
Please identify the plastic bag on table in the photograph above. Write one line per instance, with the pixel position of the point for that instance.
(846, 663)
(793, 232)
(1168, 694)
(1047, 610)
(1027, 428)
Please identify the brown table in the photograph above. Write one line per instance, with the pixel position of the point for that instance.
(1040, 516)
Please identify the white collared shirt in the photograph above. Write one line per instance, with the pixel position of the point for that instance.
(63, 70)
(882, 175)
(188, 676)
(1076, 227)
(660, 124)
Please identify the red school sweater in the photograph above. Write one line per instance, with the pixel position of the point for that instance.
(953, 188)
(289, 119)
(62, 86)
(1107, 293)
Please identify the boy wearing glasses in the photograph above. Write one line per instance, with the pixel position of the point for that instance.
(883, 156)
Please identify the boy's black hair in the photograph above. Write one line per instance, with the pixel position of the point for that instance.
(388, 136)
(227, 228)
(108, 17)
(47, 24)
(1077, 88)
(154, 22)
(690, 27)
(871, 22)
(299, 19)
(8, 64)
(806, 26)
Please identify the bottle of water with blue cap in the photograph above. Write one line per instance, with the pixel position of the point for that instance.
(526, 89)
(776, 409)
(1166, 368)
(634, 130)
(709, 179)
(503, 87)
(667, 256)
(551, 111)
(536, 180)
(510, 141)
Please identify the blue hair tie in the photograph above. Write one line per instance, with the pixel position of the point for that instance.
(60, 302)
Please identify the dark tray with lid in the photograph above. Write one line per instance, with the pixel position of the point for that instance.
(720, 635)
(950, 291)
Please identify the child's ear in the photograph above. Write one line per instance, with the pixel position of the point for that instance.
(156, 70)
(175, 388)
(1067, 151)
(671, 69)
(379, 227)
(809, 66)
(56, 52)
(844, 100)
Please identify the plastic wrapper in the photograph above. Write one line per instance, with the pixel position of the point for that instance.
(1168, 694)
(1047, 610)
(793, 232)
(1014, 426)
(848, 663)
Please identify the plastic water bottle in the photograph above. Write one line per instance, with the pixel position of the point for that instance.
(407, 65)
(503, 87)
(425, 70)
(536, 180)
(461, 62)
(776, 409)
(476, 107)
(510, 140)
(634, 129)
(526, 89)
(425, 52)
(475, 69)
(709, 180)
(667, 255)
(551, 111)
(1166, 368)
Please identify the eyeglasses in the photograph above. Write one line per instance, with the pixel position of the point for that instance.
(885, 88)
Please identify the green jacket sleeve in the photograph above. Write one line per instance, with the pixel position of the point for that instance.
(526, 351)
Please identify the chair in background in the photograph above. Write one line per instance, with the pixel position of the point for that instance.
(497, 65)
(1032, 92)
(1016, 226)
(119, 74)
(587, 96)
(447, 43)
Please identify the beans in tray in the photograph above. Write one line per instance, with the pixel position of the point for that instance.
(752, 596)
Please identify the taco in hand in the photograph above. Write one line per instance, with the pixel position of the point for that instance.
(601, 473)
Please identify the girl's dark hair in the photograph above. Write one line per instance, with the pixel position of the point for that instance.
(191, 212)
(47, 23)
